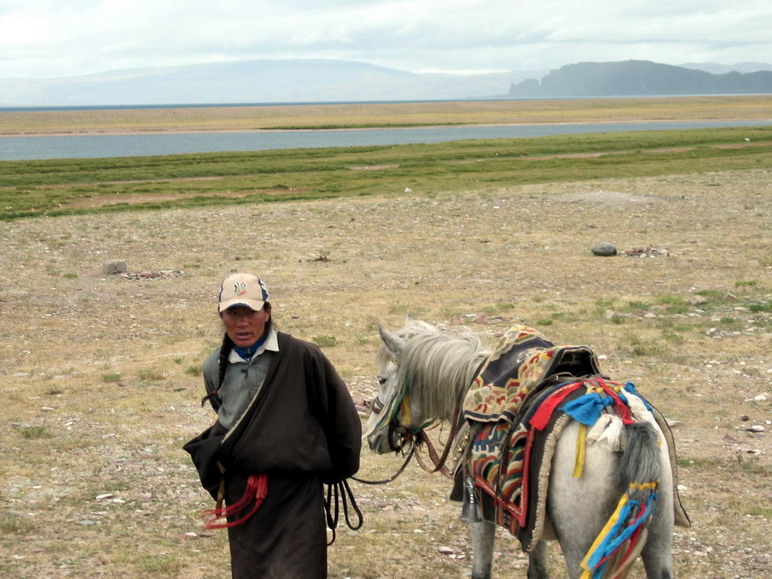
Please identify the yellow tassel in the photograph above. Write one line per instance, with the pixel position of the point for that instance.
(405, 417)
(581, 440)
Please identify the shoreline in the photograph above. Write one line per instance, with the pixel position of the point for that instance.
(391, 115)
(137, 132)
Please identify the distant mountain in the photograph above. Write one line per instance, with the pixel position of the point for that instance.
(309, 80)
(255, 81)
(639, 78)
(714, 68)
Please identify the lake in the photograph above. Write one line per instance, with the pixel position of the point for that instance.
(99, 146)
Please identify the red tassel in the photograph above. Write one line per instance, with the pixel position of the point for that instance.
(256, 491)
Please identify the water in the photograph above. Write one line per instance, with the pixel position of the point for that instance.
(100, 146)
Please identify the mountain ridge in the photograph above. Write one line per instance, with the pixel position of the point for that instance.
(322, 80)
(639, 78)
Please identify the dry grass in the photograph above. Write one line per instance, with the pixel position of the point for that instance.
(101, 384)
(250, 118)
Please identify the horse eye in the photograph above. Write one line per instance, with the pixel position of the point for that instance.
(382, 380)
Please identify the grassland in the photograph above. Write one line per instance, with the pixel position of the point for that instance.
(101, 373)
(80, 186)
(337, 116)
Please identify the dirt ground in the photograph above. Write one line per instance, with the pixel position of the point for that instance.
(101, 383)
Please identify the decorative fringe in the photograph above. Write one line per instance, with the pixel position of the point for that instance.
(256, 491)
(618, 542)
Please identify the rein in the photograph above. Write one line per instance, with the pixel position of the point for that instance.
(395, 475)
(337, 493)
(438, 462)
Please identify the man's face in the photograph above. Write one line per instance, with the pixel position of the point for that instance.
(244, 325)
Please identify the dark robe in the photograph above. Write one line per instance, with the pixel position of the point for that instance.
(301, 429)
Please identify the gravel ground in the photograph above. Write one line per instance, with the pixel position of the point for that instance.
(101, 372)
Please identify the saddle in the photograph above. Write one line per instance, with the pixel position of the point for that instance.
(514, 413)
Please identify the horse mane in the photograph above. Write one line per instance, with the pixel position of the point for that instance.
(437, 365)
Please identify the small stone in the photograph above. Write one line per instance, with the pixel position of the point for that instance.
(604, 250)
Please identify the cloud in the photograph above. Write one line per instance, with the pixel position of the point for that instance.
(54, 38)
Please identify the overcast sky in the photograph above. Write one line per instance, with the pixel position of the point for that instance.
(47, 38)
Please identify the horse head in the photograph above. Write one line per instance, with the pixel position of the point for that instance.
(423, 370)
(385, 430)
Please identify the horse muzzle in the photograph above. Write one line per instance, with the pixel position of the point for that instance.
(391, 439)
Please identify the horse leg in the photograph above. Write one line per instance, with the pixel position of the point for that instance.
(537, 561)
(483, 535)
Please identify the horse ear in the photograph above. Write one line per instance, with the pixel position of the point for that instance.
(393, 342)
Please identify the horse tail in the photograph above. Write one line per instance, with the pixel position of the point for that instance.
(641, 461)
(622, 539)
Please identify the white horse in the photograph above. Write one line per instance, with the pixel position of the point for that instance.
(432, 370)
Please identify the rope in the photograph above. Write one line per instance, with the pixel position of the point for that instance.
(337, 493)
(256, 491)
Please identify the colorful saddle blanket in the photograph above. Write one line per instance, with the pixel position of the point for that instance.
(525, 393)
(521, 361)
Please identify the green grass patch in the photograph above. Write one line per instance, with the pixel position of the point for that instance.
(55, 187)
(150, 375)
(325, 341)
(34, 432)
(12, 524)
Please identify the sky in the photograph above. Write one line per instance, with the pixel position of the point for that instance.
(56, 38)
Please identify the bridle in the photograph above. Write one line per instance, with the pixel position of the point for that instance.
(377, 406)
(415, 436)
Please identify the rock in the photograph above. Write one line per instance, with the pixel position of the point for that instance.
(114, 266)
(604, 250)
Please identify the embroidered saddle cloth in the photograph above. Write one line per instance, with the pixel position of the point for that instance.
(521, 361)
(525, 393)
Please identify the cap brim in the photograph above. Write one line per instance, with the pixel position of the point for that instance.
(252, 304)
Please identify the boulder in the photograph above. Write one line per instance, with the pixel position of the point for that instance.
(114, 266)
(604, 250)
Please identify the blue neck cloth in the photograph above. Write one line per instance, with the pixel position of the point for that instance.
(249, 351)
